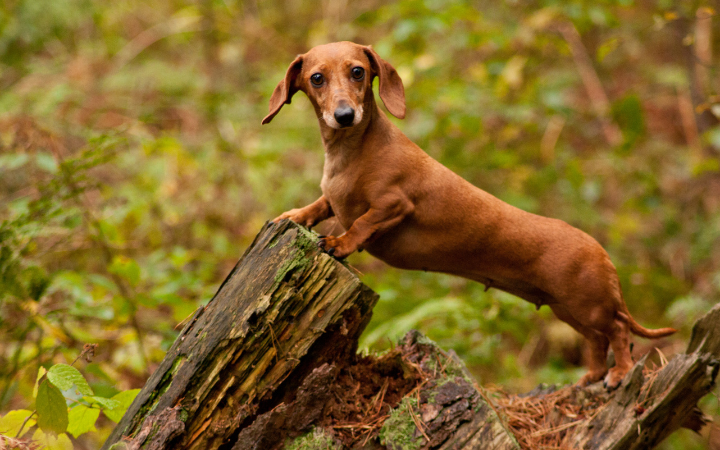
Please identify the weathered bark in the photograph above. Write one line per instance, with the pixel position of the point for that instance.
(639, 415)
(643, 412)
(271, 362)
(285, 309)
(443, 400)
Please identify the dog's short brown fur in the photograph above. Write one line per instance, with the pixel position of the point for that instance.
(412, 212)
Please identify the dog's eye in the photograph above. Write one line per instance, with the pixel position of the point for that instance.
(357, 73)
(317, 79)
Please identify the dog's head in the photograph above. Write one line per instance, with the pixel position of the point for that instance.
(336, 78)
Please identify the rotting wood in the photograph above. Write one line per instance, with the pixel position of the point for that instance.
(285, 309)
(271, 362)
(438, 400)
(647, 408)
(644, 411)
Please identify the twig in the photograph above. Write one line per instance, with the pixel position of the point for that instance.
(547, 154)
(688, 121)
(418, 423)
(592, 83)
(556, 429)
(87, 349)
(703, 47)
(663, 359)
(175, 25)
(353, 425)
(19, 433)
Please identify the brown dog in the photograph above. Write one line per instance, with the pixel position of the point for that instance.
(414, 213)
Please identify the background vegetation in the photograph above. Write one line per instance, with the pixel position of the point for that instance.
(134, 171)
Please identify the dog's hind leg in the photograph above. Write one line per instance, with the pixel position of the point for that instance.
(620, 343)
(595, 352)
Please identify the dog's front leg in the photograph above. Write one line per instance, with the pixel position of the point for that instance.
(383, 215)
(310, 215)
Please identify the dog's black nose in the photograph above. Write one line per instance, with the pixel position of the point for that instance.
(344, 115)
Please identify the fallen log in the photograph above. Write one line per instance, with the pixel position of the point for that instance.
(272, 362)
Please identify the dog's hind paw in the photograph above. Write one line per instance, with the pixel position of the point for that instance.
(613, 380)
(590, 378)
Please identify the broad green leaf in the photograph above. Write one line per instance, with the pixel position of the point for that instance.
(42, 371)
(10, 423)
(50, 442)
(82, 419)
(51, 408)
(125, 398)
(106, 403)
(64, 377)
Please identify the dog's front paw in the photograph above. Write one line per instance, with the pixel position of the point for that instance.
(298, 216)
(339, 247)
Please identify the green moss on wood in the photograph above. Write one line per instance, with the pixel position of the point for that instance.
(302, 244)
(399, 431)
(451, 367)
(162, 387)
(149, 440)
(316, 439)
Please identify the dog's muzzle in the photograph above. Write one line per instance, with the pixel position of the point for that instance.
(345, 116)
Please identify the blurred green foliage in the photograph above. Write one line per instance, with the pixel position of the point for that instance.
(134, 170)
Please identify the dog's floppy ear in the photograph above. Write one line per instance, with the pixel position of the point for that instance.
(285, 89)
(392, 91)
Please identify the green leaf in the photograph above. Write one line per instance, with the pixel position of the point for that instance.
(127, 268)
(607, 47)
(106, 403)
(42, 371)
(710, 164)
(125, 398)
(10, 423)
(64, 377)
(38, 282)
(13, 160)
(51, 408)
(713, 137)
(46, 162)
(629, 115)
(50, 442)
(82, 419)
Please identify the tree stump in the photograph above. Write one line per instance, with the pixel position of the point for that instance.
(285, 309)
(272, 362)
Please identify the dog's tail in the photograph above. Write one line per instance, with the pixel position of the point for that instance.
(641, 331)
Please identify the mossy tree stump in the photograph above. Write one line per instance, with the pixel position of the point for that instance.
(272, 362)
(285, 309)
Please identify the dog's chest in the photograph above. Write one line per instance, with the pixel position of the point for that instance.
(346, 198)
